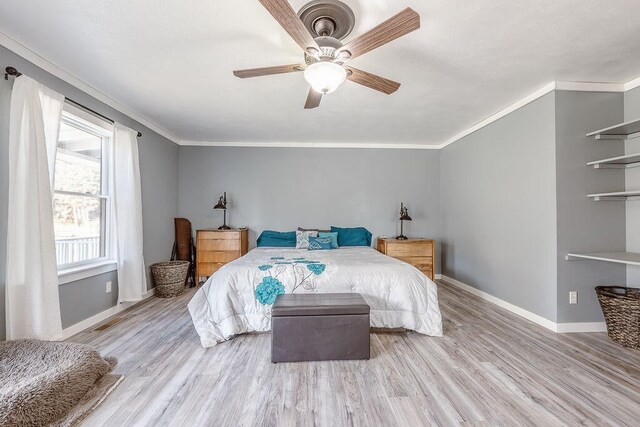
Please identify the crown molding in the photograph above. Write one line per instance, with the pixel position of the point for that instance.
(31, 56)
(266, 144)
(589, 86)
(632, 84)
(550, 87)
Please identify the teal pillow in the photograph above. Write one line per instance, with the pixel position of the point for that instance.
(319, 243)
(278, 239)
(333, 235)
(354, 236)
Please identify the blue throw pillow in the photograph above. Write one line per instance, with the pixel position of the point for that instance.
(355, 236)
(333, 235)
(278, 239)
(319, 243)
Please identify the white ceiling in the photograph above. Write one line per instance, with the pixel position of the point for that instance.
(172, 62)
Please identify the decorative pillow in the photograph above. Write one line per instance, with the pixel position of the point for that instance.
(355, 236)
(333, 235)
(319, 243)
(302, 238)
(278, 239)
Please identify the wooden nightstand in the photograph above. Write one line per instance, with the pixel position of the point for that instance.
(215, 248)
(418, 252)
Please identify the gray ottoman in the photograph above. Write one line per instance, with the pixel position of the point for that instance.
(306, 327)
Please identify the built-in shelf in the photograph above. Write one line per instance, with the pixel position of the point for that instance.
(626, 130)
(629, 258)
(618, 195)
(620, 162)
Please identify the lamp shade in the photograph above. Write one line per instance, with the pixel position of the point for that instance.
(325, 76)
(404, 213)
(405, 217)
(221, 204)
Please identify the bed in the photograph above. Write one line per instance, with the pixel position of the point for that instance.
(238, 298)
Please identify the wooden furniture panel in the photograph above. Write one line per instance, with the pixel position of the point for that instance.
(418, 252)
(220, 245)
(413, 248)
(220, 234)
(215, 248)
(208, 268)
(415, 260)
(219, 256)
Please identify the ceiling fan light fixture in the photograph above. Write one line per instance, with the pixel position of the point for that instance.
(318, 29)
(325, 77)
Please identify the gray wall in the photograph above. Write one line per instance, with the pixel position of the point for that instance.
(583, 224)
(514, 204)
(632, 112)
(84, 298)
(632, 104)
(159, 174)
(499, 208)
(283, 188)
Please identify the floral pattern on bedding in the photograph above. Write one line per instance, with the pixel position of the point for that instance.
(304, 273)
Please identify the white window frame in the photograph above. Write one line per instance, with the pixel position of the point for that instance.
(94, 125)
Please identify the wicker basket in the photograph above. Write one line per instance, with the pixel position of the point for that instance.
(170, 277)
(621, 308)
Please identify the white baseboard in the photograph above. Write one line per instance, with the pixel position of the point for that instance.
(502, 303)
(565, 328)
(94, 320)
(552, 326)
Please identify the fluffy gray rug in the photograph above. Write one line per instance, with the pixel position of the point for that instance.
(45, 382)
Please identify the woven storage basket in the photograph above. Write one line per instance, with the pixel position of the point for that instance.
(621, 308)
(169, 277)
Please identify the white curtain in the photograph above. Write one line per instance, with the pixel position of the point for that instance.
(132, 278)
(32, 300)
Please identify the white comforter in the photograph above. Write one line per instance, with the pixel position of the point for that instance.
(238, 297)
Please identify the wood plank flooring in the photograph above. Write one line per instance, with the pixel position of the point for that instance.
(490, 368)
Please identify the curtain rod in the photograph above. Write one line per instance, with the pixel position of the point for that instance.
(11, 71)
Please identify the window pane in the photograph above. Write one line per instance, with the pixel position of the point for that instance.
(78, 161)
(78, 222)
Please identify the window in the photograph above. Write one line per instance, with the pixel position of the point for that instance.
(81, 198)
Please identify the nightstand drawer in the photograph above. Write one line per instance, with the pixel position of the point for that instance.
(417, 252)
(215, 248)
(218, 235)
(208, 268)
(416, 248)
(419, 262)
(426, 270)
(217, 256)
(218, 245)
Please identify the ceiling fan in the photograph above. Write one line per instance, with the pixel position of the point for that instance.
(318, 28)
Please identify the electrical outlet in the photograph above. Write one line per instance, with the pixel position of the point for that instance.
(573, 297)
(108, 287)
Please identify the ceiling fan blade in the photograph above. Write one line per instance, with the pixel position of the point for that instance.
(397, 26)
(282, 11)
(313, 99)
(267, 71)
(372, 81)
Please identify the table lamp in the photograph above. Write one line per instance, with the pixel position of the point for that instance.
(222, 204)
(404, 216)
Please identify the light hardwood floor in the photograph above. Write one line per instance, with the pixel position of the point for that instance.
(490, 368)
